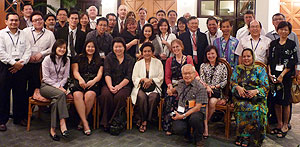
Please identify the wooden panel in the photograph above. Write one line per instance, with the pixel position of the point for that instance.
(291, 9)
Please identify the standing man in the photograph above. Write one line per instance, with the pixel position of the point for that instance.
(213, 31)
(187, 15)
(62, 17)
(112, 21)
(258, 43)
(143, 15)
(243, 32)
(102, 39)
(74, 37)
(194, 42)
(172, 18)
(14, 54)
(50, 21)
(160, 14)
(122, 12)
(25, 20)
(41, 41)
(92, 12)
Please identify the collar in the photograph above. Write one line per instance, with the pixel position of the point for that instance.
(8, 30)
(192, 32)
(119, 19)
(95, 20)
(33, 29)
(222, 38)
(216, 35)
(26, 19)
(97, 34)
(250, 37)
(74, 31)
(274, 32)
(193, 83)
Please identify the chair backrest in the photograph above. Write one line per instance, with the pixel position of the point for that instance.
(262, 65)
(226, 90)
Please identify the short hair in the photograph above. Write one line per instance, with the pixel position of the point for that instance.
(160, 11)
(62, 9)
(178, 41)
(111, 14)
(182, 20)
(249, 12)
(151, 19)
(161, 22)
(278, 14)
(192, 18)
(208, 49)
(130, 13)
(26, 4)
(119, 40)
(143, 38)
(129, 20)
(171, 12)
(284, 24)
(254, 21)
(188, 65)
(149, 44)
(11, 13)
(225, 20)
(87, 10)
(49, 15)
(35, 13)
(102, 19)
(142, 8)
(212, 18)
(74, 12)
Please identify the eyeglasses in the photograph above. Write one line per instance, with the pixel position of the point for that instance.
(37, 20)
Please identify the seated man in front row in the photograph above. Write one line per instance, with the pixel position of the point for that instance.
(191, 97)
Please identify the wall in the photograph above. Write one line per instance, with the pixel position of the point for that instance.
(265, 9)
(109, 6)
(54, 3)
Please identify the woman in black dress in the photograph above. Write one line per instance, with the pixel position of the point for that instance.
(281, 63)
(130, 36)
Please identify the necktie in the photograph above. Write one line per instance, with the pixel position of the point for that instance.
(122, 26)
(195, 48)
(71, 38)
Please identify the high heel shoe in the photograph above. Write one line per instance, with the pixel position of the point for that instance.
(65, 134)
(87, 132)
(54, 137)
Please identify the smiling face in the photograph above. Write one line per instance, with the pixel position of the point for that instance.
(147, 52)
(27, 11)
(12, 22)
(172, 17)
(147, 32)
(160, 15)
(61, 50)
(276, 20)
(212, 56)
(92, 12)
(154, 23)
(247, 58)
(164, 27)
(177, 48)
(188, 74)
(62, 16)
(226, 28)
(254, 28)
(131, 27)
(181, 26)
(101, 27)
(193, 25)
(212, 26)
(37, 22)
(118, 49)
(284, 32)
(122, 11)
(90, 49)
(84, 20)
(142, 14)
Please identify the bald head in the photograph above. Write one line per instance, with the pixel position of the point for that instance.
(122, 11)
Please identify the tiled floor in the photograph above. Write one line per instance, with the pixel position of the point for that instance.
(39, 136)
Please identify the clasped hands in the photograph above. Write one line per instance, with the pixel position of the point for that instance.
(246, 93)
(87, 85)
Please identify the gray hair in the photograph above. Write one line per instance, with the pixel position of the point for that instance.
(88, 9)
(188, 65)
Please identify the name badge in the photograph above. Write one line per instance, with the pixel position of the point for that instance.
(279, 67)
(180, 109)
(195, 53)
(15, 53)
(102, 55)
(192, 103)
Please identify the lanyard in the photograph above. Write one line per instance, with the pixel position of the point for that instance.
(256, 44)
(163, 45)
(38, 38)
(185, 93)
(15, 45)
(57, 72)
(226, 46)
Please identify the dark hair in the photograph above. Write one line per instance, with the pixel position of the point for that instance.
(119, 40)
(160, 11)
(183, 20)
(258, 23)
(110, 14)
(35, 13)
(278, 14)
(143, 38)
(127, 21)
(249, 12)
(49, 15)
(161, 22)
(102, 19)
(57, 44)
(130, 13)
(145, 45)
(62, 9)
(142, 8)
(26, 4)
(11, 13)
(191, 18)
(96, 55)
(225, 20)
(171, 12)
(284, 24)
(208, 49)
(248, 49)
(212, 18)
(74, 12)
(151, 19)
(82, 14)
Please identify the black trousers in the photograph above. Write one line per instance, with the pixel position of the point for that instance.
(195, 121)
(32, 73)
(17, 83)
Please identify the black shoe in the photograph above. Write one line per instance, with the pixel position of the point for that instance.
(289, 126)
(65, 134)
(3, 127)
(55, 137)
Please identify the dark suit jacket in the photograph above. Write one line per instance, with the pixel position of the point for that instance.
(116, 32)
(63, 33)
(188, 46)
(22, 23)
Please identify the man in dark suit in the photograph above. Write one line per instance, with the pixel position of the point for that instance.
(194, 41)
(122, 12)
(25, 20)
(74, 37)
(112, 22)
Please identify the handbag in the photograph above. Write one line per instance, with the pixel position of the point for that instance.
(217, 93)
(295, 91)
(149, 89)
(254, 100)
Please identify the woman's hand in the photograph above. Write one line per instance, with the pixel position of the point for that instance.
(170, 86)
(90, 84)
(242, 91)
(147, 83)
(112, 89)
(163, 56)
(63, 90)
(222, 102)
(177, 116)
(82, 83)
(209, 91)
(164, 42)
(252, 93)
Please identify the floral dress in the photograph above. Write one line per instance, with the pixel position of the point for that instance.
(251, 116)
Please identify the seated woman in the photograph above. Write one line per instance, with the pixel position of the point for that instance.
(147, 77)
(130, 36)
(213, 74)
(172, 76)
(249, 84)
(281, 62)
(118, 68)
(87, 71)
(55, 68)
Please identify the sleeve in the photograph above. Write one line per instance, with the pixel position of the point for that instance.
(293, 59)
(107, 66)
(223, 75)
(263, 80)
(202, 75)
(239, 48)
(201, 95)
(76, 59)
(297, 48)
(27, 53)
(234, 79)
(130, 65)
(88, 36)
(4, 56)
(160, 78)
(135, 75)
(168, 71)
(66, 74)
(270, 50)
(52, 41)
(46, 67)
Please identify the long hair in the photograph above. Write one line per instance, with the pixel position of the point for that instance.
(160, 23)
(152, 37)
(58, 43)
(182, 20)
(208, 49)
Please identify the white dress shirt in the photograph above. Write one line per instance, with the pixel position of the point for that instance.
(212, 38)
(41, 42)
(28, 22)
(93, 23)
(260, 47)
(119, 24)
(243, 32)
(13, 47)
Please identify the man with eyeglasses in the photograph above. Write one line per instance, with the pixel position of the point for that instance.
(74, 37)
(100, 36)
(14, 54)
(112, 21)
(62, 16)
(41, 41)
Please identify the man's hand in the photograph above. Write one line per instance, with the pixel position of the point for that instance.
(16, 67)
(177, 116)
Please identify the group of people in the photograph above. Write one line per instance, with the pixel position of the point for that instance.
(114, 57)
